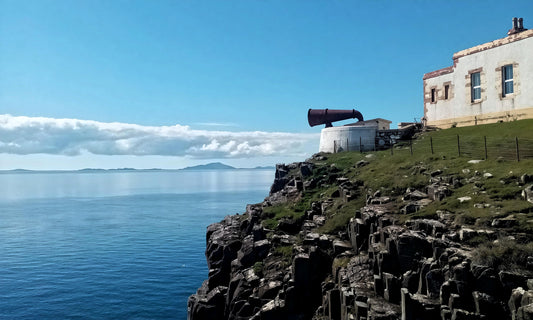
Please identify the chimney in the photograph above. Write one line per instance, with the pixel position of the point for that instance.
(518, 26)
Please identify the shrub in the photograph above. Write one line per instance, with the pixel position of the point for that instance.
(503, 254)
(258, 269)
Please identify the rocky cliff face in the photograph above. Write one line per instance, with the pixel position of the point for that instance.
(379, 267)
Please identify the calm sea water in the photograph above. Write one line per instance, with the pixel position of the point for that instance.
(120, 245)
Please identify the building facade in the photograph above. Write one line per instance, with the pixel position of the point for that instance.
(488, 83)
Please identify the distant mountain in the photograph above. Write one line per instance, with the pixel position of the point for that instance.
(210, 166)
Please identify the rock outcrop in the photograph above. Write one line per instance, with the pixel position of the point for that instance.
(377, 268)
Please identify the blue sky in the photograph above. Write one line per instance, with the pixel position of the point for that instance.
(174, 83)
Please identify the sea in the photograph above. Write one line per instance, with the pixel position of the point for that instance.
(112, 244)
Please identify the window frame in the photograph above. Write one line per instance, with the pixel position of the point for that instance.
(506, 80)
(475, 88)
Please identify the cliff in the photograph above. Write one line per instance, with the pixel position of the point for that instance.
(353, 236)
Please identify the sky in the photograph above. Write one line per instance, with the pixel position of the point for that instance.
(169, 84)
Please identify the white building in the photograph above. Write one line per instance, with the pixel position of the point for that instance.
(359, 136)
(487, 83)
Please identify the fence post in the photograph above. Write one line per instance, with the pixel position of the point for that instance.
(517, 150)
(485, 138)
(360, 145)
(347, 145)
(431, 143)
(411, 145)
(392, 147)
(458, 146)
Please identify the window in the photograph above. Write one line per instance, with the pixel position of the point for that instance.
(475, 85)
(433, 95)
(507, 80)
(446, 92)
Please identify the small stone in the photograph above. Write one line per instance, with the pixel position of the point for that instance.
(466, 171)
(464, 199)
(504, 223)
(475, 161)
(436, 173)
(487, 175)
(526, 178)
(466, 234)
(361, 163)
(527, 193)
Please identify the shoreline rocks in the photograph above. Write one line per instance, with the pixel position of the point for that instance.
(376, 269)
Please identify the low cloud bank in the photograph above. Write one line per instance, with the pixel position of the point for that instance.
(32, 135)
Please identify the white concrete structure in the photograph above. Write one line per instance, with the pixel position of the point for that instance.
(488, 83)
(360, 136)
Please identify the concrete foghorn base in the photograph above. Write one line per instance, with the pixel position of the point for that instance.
(347, 138)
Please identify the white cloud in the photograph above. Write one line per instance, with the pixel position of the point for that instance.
(38, 135)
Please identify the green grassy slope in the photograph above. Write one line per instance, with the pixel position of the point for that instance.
(392, 173)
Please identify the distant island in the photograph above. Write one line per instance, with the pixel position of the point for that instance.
(209, 166)
(222, 166)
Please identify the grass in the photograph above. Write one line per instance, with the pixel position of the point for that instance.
(504, 254)
(340, 262)
(393, 173)
(286, 253)
(258, 268)
(339, 217)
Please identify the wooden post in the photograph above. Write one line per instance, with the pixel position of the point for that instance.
(334, 146)
(517, 150)
(391, 148)
(485, 138)
(360, 145)
(431, 143)
(458, 146)
(411, 145)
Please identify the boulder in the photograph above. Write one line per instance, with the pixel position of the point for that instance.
(414, 195)
(515, 301)
(361, 163)
(527, 193)
(340, 246)
(489, 306)
(269, 289)
(434, 281)
(511, 281)
(504, 223)
(525, 312)
(526, 178)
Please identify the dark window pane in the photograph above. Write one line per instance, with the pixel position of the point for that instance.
(508, 87)
(475, 79)
(508, 72)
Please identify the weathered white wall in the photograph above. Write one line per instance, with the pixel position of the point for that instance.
(347, 138)
(493, 107)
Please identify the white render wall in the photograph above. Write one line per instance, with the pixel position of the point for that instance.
(493, 107)
(347, 138)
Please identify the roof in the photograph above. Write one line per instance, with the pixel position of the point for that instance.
(496, 43)
(479, 48)
(371, 121)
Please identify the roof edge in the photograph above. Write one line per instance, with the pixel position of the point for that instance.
(438, 73)
(495, 43)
